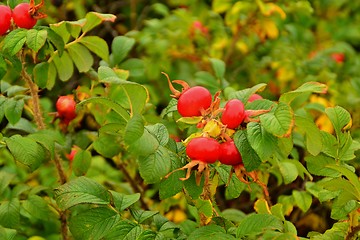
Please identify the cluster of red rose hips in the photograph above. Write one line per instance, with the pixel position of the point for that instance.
(24, 15)
(217, 124)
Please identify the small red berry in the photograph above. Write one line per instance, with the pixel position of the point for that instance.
(193, 100)
(71, 155)
(5, 21)
(254, 97)
(229, 154)
(338, 57)
(66, 108)
(203, 149)
(233, 114)
(22, 17)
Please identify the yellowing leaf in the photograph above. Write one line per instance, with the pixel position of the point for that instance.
(270, 29)
(213, 128)
(285, 74)
(324, 123)
(242, 47)
(270, 8)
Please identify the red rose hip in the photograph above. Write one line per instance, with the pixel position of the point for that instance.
(22, 16)
(233, 114)
(229, 154)
(254, 97)
(66, 107)
(203, 149)
(5, 21)
(193, 100)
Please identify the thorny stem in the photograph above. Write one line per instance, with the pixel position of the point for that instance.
(34, 97)
(34, 89)
(353, 232)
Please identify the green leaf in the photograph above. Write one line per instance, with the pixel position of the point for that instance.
(257, 223)
(38, 208)
(221, 6)
(26, 150)
(351, 176)
(47, 138)
(93, 19)
(35, 39)
(192, 188)
(109, 103)
(14, 41)
(302, 199)
(337, 232)
(134, 129)
(145, 146)
(219, 67)
(340, 119)
(97, 45)
(74, 27)
(317, 165)
(107, 145)
(52, 74)
(250, 158)
(120, 48)
(81, 162)
(108, 75)
(94, 223)
(330, 144)
(64, 66)
(13, 110)
(280, 121)
(7, 233)
(123, 201)
(3, 67)
(61, 30)
(289, 171)
(56, 40)
(140, 215)
(308, 87)
(5, 179)
(172, 185)
(244, 94)
(137, 97)
(10, 213)
(155, 166)
(313, 137)
(234, 186)
(124, 230)
(261, 141)
(81, 190)
(160, 131)
(210, 232)
(81, 57)
(204, 207)
(41, 72)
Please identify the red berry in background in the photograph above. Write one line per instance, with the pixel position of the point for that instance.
(254, 97)
(229, 154)
(233, 114)
(203, 149)
(338, 57)
(193, 100)
(5, 21)
(22, 16)
(71, 155)
(66, 108)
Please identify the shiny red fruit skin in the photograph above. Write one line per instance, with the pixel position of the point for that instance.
(233, 114)
(194, 99)
(338, 57)
(254, 97)
(22, 17)
(66, 107)
(229, 154)
(203, 149)
(5, 21)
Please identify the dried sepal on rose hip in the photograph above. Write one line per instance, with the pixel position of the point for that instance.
(25, 15)
(192, 101)
(201, 151)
